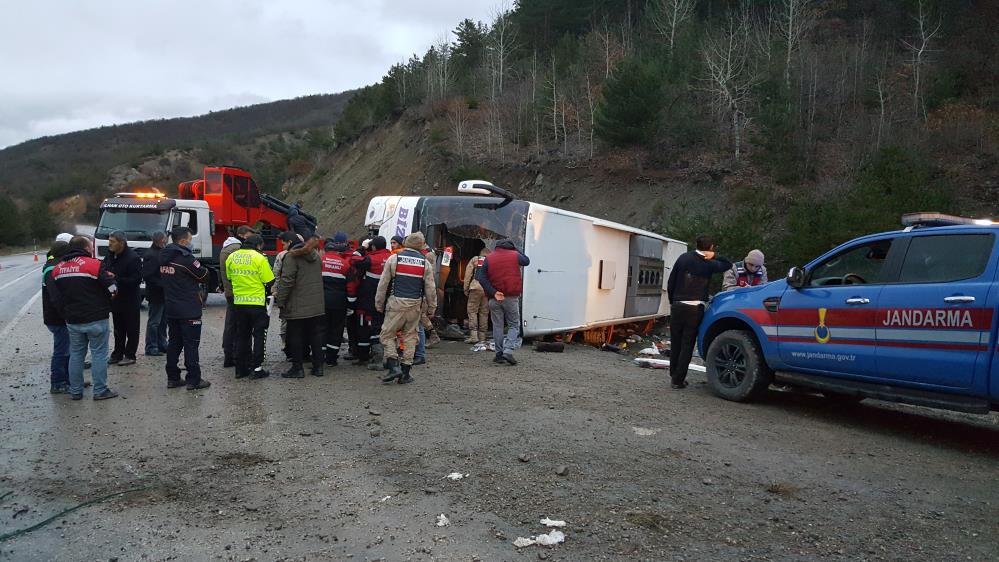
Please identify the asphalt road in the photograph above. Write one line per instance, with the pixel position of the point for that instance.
(345, 468)
(20, 288)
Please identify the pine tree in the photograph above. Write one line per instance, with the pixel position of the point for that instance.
(628, 112)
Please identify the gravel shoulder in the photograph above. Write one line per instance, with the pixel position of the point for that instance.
(343, 467)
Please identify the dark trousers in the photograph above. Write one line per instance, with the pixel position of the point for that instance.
(250, 327)
(184, 335)
(229, 332)
(335, 320)
(125, 315)
(684, 322)
(307, 333)
(369, 329)
(59, 367)
(352, 333)
(156, 327)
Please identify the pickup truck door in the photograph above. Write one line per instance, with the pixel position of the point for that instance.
(935, 322)
(827, 326)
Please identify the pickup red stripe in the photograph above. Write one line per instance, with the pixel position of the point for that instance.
(910, 345)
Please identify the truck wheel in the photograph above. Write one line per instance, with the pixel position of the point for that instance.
(736, 369)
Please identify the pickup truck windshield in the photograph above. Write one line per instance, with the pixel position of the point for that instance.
(136, 224)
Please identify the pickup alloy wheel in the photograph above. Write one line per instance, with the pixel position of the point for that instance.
(736, 369)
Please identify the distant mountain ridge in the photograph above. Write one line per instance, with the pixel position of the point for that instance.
(61, 165)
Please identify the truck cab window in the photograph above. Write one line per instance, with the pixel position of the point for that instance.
(241, 191)
(857, 265)
(946, 258)
(186, 218)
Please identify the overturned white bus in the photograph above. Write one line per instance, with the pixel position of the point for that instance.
(585, 272)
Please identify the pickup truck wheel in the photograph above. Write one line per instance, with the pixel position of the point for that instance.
(735, 365)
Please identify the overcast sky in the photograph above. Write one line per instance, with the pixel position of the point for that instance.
(70, 64)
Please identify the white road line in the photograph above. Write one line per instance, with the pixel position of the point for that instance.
(20, 314)
(9, 283)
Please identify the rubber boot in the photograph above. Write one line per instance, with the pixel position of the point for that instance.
(406, 377)
(432, 338)
(295, 372)
(376, 363)
(394, 370)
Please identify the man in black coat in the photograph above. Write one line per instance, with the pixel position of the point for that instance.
(125, 266)
(182, 275)
(688, 295)
(156, 324)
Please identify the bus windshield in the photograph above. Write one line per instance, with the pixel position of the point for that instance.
(136, 224)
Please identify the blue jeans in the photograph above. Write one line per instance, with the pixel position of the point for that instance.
(421, 344)
(505, 315)
(59, 371)
(156, 328)
(94, 334)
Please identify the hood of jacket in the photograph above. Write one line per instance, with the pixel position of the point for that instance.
(305, 250)
(74, 254)
(171, 251)
(232, 240)
(507, 244)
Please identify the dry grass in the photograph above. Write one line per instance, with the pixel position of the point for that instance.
(783, 489)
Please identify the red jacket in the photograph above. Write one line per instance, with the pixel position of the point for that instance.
(501, 271)
(372, 265)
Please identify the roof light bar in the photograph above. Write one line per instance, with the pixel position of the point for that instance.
(940, 219)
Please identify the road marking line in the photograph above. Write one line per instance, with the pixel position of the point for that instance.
(2, 287)
(17, 317)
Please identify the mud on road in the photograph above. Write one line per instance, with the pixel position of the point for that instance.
(344, 468)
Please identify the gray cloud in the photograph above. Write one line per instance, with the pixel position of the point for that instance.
(73, 64)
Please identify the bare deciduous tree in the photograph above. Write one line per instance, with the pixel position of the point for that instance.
(794, 19)
(730, 75)
(457, 116)
(918, 49)
(669, 16)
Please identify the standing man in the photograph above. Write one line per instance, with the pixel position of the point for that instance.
(749, 272)
(370, 319)
(249, 273)
(300, 298)
(156, 323)
(407, 281)
(287, 239)
(336, 272)
(126, 267)
(478, 304)
(82, 291)
(182, 275)
(503, 282)
(59, 366)
(426, 319)
(687, 289)
(230, 245)
(298, 224)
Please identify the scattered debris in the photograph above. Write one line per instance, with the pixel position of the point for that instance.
(375, 432)
(550, 539)
(552, 522)
(524, 457)
(456, 476)
(562, 470)
(385, 499)
(443, 521)
(664, 364)
(783, 489)
(374, 412)
(650, 351)
(644, 432)
(613, 348)
(549, 346)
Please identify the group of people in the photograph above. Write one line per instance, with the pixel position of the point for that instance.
(687, 288)
(383, 294)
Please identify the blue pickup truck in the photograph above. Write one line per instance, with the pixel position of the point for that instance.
(907, 316)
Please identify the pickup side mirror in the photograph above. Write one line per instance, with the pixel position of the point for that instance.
(796, 278)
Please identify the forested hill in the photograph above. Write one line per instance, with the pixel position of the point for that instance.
(790, 125)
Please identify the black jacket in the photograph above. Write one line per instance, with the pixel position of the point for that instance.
(298, 224)
(81, 289)
(691, 276)
(50, 314)
(181, 275)
(127, 269)
(151, 274)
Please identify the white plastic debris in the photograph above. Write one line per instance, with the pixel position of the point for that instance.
(455, 476)
(443, 521)
(650, 351)
(385, 499)
(550, 539)
(481, 346)
(664, 364)
(644, 432)
(552, 523)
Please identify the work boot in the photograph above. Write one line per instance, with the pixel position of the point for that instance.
(377, 357)
(508, 357)
(259, 373)
(295, 372)
(499, 358)
(472, 338)
(331, 357)
(406, 378)
(242, 375)
(175, 383)
(317, 371)
(394, 370)
(432, 338)
(202, 384)
(482, 337)
(226, 363)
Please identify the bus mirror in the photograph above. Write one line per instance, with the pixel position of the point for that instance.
(476, 187)
(796, 278)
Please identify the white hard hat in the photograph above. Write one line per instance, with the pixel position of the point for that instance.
(64, 237)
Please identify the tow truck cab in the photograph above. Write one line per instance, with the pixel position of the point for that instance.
(907, 316)
(140, 214)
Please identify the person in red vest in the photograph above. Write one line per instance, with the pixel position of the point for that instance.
(503, 282)
(336, 273)
(749, 272)
(370, 320)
